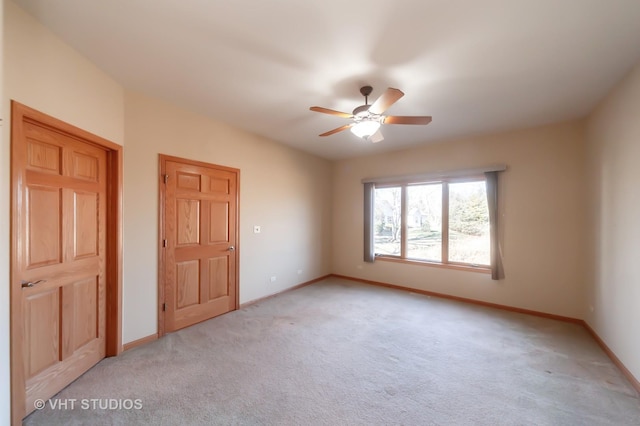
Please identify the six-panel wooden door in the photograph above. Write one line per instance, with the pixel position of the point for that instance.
(59, 258)
(200, 241)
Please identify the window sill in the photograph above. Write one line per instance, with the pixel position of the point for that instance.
(480, 269)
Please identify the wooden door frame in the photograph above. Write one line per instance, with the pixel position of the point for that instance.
(162, 189)
(113, 267)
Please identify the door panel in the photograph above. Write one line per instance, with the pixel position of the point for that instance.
(218, 277)
(188, 221)
(85, 313)
(218, 222)
(44, 156)
(187, 282)
(188, 181)
(41, 328)
(84, 166)
(86, 226)
(44, 227)
(219, 185)
(199, 261)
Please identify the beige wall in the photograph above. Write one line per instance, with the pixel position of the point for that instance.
(614, 175)
(46, 74)
(42, 72)
(286, 192)
(542, 218)
(4, 244)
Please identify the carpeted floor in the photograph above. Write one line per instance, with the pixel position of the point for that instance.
(342, 353)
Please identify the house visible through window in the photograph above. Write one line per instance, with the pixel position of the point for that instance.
(443, 222)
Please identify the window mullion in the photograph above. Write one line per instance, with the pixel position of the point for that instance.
(445, 222)
(403, 222)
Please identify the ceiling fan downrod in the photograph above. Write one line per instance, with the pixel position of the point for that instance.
(363, 110)
(366, 91)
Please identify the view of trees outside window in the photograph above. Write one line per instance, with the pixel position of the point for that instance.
(387, 225)
(424, 222)
(469, 239)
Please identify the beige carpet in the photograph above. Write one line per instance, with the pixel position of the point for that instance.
(342, 353)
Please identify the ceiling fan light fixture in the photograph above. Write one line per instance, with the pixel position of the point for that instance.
(365, 128)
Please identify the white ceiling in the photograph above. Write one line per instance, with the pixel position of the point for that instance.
(475, 66)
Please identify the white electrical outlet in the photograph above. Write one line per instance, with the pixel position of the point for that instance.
(273, 279)
(257, 229)
(299, 271)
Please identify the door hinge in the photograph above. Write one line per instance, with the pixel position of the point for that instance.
(166, 178)
(164, 243)
(164, 307)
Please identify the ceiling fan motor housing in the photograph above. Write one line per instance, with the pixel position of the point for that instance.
(361, 111)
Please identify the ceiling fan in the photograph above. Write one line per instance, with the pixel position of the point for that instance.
(367, 119)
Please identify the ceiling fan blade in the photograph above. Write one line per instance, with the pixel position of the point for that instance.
(331, 112)
(399, 119)
(336, 130)
(388, 98)
(376, 137)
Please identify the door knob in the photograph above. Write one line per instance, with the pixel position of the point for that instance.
(31, 283)
(231, 248)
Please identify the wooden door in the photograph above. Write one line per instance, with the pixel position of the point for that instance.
(199, 257)
(58, 259)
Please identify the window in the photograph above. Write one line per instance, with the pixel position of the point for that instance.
(445, 222)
